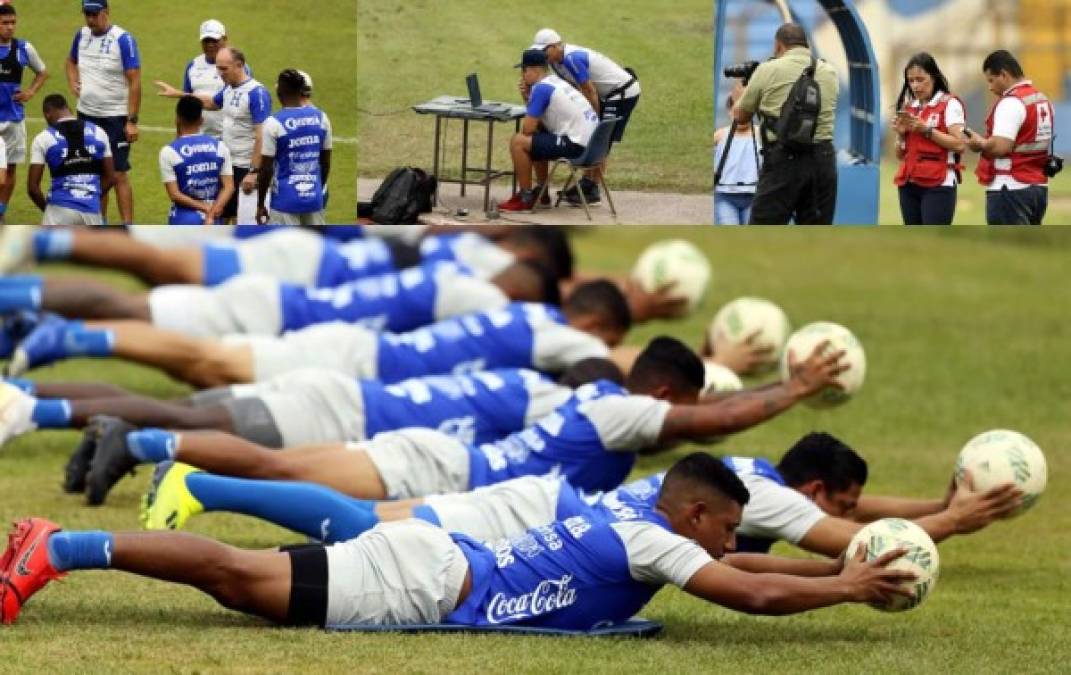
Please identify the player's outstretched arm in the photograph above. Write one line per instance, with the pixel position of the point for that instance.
(777, 594)
(875, 507)
(760, 563)
(746, 409)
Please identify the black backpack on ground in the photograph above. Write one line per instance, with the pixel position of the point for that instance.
(799, 115)
(402, 196)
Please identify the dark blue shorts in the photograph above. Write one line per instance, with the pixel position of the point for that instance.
(115, 127)
(547, 146)
(621, 108)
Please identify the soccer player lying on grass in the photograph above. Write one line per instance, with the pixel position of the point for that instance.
(775, 511)
(576, 574)
(293, 255)
(594, 318)
(592, 439)
(259, 305)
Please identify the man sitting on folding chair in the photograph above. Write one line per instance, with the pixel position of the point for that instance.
(612, 91)
(558, 124)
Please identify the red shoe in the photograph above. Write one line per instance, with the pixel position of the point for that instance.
(517, 203)
(25, 566)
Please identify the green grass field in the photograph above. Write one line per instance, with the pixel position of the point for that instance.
(274, 35)
(413, 51)
(965, 330)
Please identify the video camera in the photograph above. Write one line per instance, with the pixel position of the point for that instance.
(741, 71)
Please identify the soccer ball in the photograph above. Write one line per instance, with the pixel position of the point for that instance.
(719, 379)
(741, 318)
(921, 558)
(674, 260)
(1002, 456)
(802, 343)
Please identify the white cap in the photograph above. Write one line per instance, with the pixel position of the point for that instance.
(546, 37)
(212, 29)
(308, 83)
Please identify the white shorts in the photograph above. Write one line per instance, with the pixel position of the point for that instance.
(499, 511)
(337, 346)
(311, 406)
(404, 572)
(316, 218)
(180, 236)
(291, 255)
(245, 304)
(418, 462)
(14, 137)
(61, 215)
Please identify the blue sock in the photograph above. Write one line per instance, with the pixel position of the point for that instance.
(53, 244)
(27, 386)
(313, 510)
(52, 413)
(90, 550)
(82, 341)
(152, 445)
(20, 295)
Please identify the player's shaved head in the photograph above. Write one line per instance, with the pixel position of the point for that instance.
(54, 103)
(528, 281)
(600, 308)
(699, 476)
(548, 244)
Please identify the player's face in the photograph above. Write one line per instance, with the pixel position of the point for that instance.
(920, 82)
(228, 69)
(531, 75)
(996, 82)
(7, 28)
(840, 504)
(554, 53)
(714, 526)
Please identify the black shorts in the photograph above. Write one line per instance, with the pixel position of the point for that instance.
(115, 127)
(547, 146)
(231, 209)
(620, 108)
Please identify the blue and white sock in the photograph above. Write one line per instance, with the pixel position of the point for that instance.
(82, 341)
(27, 386)
(152, 445)
(52, 413)
(90, 550)
(18, 293)
(53, 244)
(313, 510)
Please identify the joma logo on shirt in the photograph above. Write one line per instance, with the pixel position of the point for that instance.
(549, 596)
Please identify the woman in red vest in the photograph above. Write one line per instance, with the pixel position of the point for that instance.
(929, 128)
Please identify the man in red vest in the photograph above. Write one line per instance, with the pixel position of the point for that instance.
(1016, 146)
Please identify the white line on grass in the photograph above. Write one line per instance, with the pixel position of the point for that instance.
(165, 130)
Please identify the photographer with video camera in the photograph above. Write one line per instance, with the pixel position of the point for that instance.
(1017, 159)
(794, 95)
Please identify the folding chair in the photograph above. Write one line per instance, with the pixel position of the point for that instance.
(594, 154)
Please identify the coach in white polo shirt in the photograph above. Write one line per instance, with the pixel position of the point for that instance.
(612, 91)
(202, 77)
(246, 105)
(104, 72)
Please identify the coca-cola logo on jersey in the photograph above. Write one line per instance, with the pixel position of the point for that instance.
(550, 595)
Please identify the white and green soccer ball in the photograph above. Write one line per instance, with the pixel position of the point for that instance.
(746, 316)
(800, 345)
(674, 260)
(921, 558)
(1002, 456)
(718, 379)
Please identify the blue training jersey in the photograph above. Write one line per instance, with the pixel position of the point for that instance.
(299, 136)
(475, 408)
(497, 339)
(571, 574)
(198, 174)
(398, 301)
(565, 443)
(75, 157)
(14, 59)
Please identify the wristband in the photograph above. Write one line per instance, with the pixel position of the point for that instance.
(133, 119)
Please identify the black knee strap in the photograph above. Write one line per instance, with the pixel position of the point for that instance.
(308, 585)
